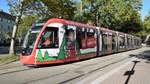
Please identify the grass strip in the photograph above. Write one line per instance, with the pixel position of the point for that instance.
(8, 59)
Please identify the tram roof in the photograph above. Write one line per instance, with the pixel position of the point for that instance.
(67, 22)
(107, 30)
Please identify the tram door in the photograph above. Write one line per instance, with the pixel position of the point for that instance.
(104, 43)
(109, 39)
(114, 42)
(70, 42)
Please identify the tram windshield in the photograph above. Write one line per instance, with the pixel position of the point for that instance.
(29, 40)
(49, 38)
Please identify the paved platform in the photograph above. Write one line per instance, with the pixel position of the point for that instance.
(137, 72)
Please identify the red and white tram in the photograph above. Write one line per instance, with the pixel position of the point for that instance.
(60, 41)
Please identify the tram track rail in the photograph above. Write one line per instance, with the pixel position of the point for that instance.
(10, 72)
(4, 68)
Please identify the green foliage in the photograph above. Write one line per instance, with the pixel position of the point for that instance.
(115, 14)
(147, 23)
(28, 7)
(120, 15)
(36, 9)
(59, 8)
(25, 23)
(8, 59)
(146, 27)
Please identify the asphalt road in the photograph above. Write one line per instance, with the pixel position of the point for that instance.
(91, 71)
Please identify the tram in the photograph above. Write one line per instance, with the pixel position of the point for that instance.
(60, 41)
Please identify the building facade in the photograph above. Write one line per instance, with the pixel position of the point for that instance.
(7, 22)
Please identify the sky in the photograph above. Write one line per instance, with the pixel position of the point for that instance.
(144, 11)
(4, 6)
(145, 8)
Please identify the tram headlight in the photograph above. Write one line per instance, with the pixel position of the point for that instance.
(26, 51)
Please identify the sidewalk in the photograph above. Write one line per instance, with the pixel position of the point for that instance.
(2, 55)
(137, 72)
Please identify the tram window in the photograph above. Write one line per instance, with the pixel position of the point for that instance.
(90, 33)
(114, 39)
(138, 42)
(105, 41)
(70, 35)
(134, 41)
(128, 42)
(109, 41)
(49, 38)
(90, 40)
(81, 37)
(86, 38)
(121, 41)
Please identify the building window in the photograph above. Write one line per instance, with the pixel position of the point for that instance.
(1, 19)
(8, 28)
(8, 21)
(2, 26)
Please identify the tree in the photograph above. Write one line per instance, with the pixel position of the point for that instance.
(147, 23)
(25, 23)
(146, 27)
(82, 12)
(38, 8)
(17, 6)
(59, 8)
(120, 15)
